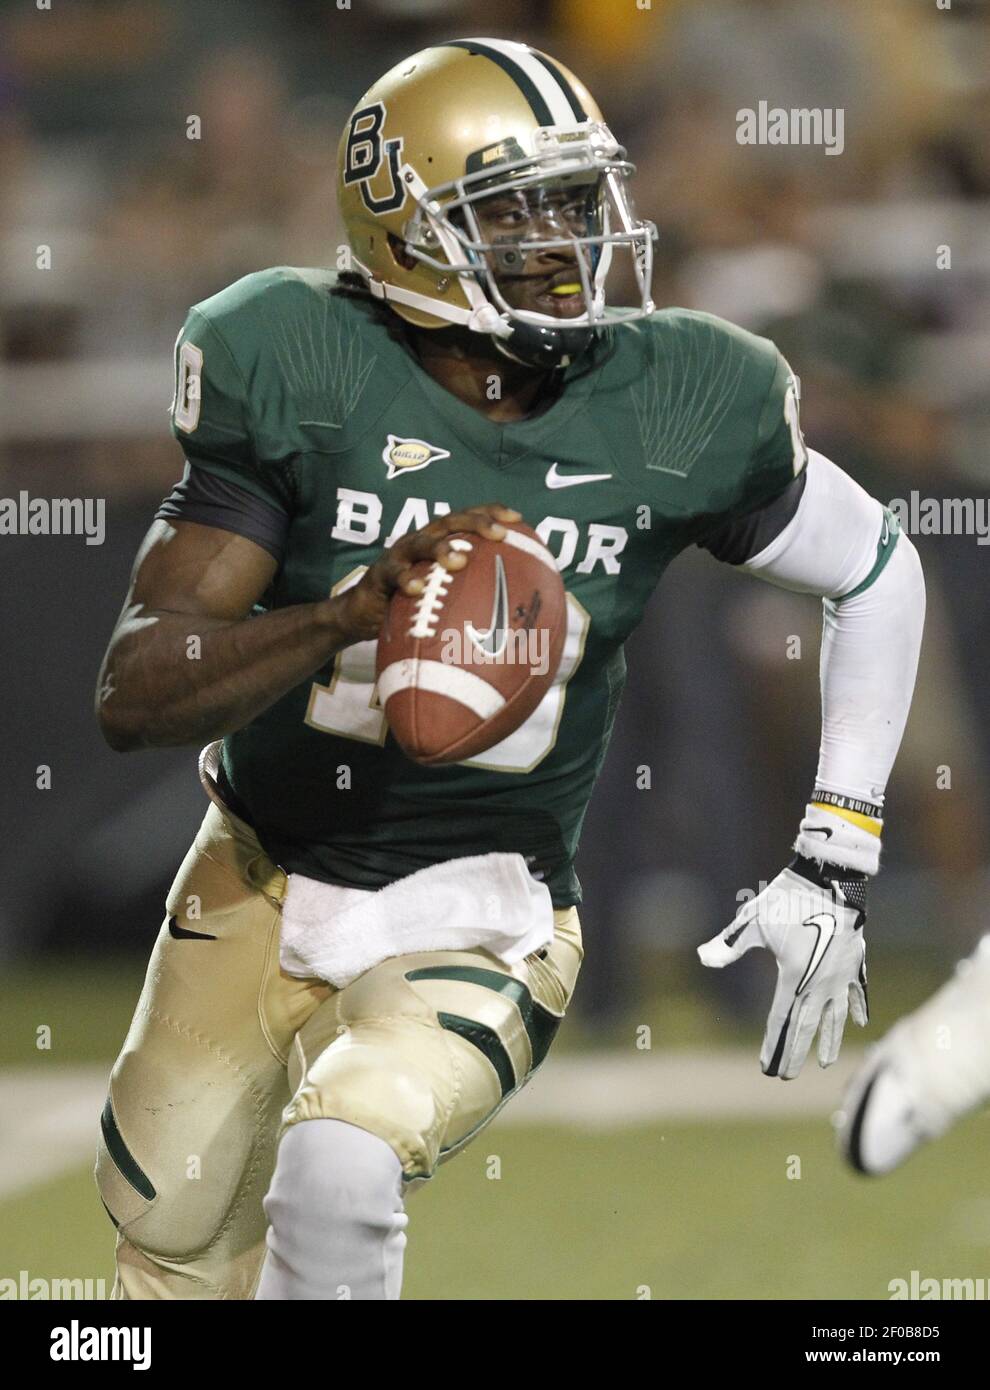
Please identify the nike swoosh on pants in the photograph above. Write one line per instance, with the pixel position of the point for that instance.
(184, 934)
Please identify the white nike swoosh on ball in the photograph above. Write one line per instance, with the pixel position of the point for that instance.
(555, 480)
(492, 642)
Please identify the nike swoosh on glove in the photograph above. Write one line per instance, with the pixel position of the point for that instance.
(811, 917)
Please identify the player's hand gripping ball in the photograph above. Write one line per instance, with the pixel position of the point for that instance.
(466, 659)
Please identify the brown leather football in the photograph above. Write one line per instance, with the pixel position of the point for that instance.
(463, 664)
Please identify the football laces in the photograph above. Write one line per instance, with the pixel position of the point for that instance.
(426, 614)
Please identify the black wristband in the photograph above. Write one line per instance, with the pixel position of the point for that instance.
(847, 803)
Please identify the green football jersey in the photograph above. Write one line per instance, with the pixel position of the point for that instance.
(307, 394)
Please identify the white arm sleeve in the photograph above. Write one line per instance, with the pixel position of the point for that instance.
(837, 544)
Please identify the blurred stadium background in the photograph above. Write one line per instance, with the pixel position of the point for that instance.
(625, 1167)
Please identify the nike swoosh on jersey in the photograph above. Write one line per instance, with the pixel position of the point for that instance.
(554, 479)
(184, 934)
(824, 924)
(492, 641)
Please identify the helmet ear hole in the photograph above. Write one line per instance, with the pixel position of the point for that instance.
(400, 255)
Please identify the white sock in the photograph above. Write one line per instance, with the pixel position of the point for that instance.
(337, 1224)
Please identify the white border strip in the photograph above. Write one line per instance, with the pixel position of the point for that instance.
(549, 90)
(439, 678)
(532, 547)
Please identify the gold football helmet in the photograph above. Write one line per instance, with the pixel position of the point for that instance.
(477, 171)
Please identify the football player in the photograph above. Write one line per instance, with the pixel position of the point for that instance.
(931, 1069)
(494, 337)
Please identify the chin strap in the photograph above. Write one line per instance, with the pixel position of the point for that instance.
(483, 317)
(487, 319)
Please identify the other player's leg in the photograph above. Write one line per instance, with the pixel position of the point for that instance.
(932, 1068)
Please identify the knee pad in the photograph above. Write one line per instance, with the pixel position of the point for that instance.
(337, 1224)
(177, 1166)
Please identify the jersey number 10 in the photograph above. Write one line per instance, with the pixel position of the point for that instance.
(348, 705)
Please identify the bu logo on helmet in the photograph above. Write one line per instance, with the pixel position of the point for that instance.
(364, 154)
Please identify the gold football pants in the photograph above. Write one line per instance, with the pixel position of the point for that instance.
(225, 1051)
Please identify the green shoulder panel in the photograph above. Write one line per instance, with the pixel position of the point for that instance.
(278, 364)
(714, 412)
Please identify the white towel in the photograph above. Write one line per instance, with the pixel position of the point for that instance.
(487, 900)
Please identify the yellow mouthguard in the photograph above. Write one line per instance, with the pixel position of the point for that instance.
(565, 289)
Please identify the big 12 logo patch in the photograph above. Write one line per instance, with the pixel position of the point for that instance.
(364, 154)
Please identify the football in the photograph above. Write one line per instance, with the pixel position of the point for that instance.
(461, 665)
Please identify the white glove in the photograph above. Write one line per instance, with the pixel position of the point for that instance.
(811, 916)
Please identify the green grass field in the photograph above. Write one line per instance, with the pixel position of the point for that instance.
(689, 1211)
(685, 1210)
